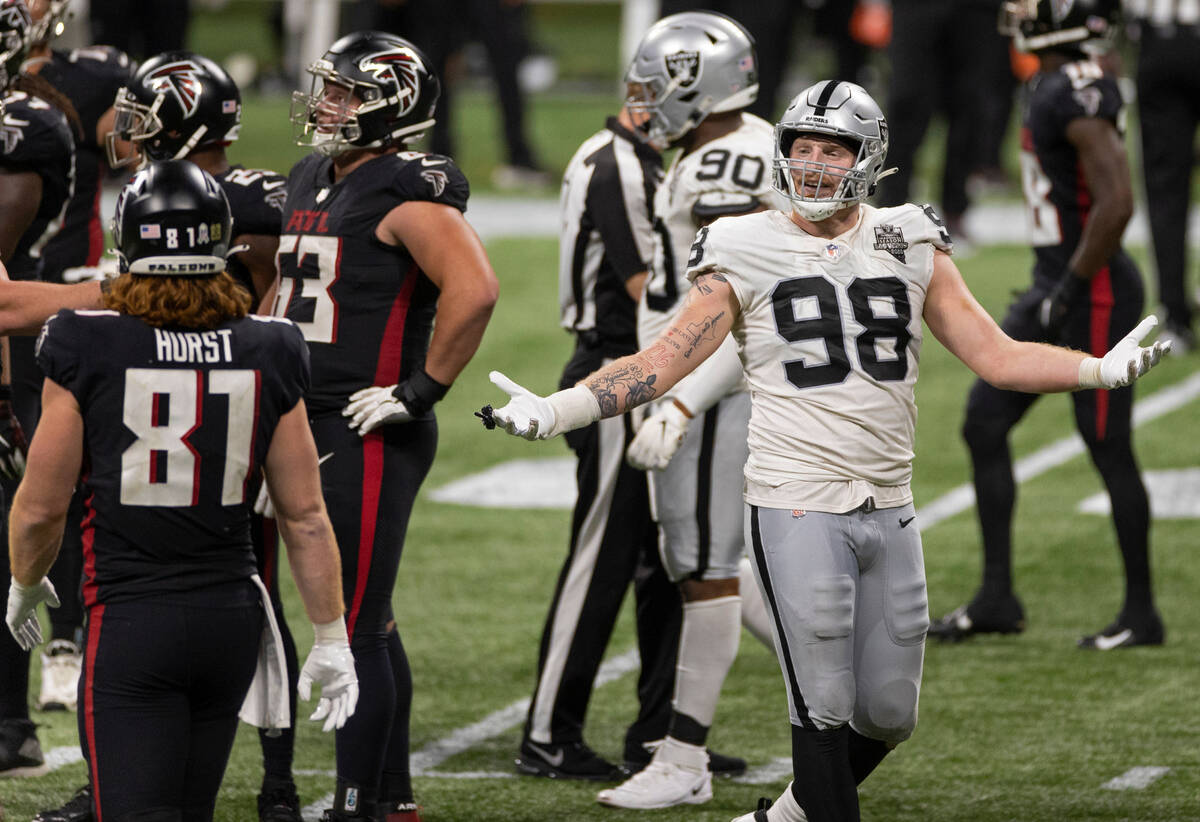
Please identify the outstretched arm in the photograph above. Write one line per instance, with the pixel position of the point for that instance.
(696, 332)
(960, 323)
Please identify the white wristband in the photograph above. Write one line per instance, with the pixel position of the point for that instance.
(330, 632)
(573, 408)
(1089, 373)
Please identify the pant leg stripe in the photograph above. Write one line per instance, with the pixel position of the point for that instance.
(704, 492)
(95, 619)
(789, 669)
(372, 481)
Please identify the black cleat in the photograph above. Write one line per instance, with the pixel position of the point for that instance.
(77, 809)
(720, 764)
(569, 760)
(1126, 634)
(20, 752)
(965, 621)
(278, 802)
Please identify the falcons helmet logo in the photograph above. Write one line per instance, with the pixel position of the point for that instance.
(400, 67)
(180, 79)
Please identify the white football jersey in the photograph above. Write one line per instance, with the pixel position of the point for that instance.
(829, 337)
(717, 177)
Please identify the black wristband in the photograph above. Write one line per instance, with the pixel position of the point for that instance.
(419, 392)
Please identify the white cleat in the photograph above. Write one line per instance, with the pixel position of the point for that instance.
(660, 785)
(61, 664)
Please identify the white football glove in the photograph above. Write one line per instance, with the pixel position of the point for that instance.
(1126, 361)
(658, 438)
(22, 610)
(330, 665)
(375, 406)
(526, 414)
(262, 503)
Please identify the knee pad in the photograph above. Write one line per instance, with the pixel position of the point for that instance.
(890, 713)
(830, 694)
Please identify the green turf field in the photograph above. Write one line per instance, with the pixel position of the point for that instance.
(1017, 728)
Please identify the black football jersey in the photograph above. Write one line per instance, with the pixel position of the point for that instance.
(176, 423)
(89, 78)
(365, 308)
(1056, 192)
(35, 137)
(256, 198)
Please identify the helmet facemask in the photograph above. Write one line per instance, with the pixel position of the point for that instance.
(1037, 25)
(326, 117)
(823, 187)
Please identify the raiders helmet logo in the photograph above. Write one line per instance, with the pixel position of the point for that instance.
(684, 67)
(178, 78)
(400, 67)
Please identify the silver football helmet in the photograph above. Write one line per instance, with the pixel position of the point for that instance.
(842, 111)
(688, 66)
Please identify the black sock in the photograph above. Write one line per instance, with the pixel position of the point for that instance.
(822, 781)
(397, 780)
(686, 729)
(995, 494)
(865, 755)
(1131, 517)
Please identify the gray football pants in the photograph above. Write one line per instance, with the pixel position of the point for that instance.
(846, 596)
(697, 498)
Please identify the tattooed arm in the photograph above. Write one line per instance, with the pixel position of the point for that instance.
(706, 316)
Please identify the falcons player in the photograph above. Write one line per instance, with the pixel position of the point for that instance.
(374, 247)
(182, 397)
(825, 302)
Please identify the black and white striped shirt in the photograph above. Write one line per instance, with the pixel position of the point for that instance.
(606, 237)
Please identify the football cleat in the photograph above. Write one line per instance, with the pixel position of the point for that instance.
(278, 802)
(660, 784)
(1124, 634)
(404, 812)
(759, 815)
(20, 752)
(77, 809)
(965, 621)
(61, 663)
(569, 760)
(720, 764)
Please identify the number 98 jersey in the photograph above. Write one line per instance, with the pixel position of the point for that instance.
(176, 422)
(829, 336)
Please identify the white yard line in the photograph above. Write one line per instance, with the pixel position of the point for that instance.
(1136, 779)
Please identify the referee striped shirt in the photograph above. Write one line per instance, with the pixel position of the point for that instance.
(606, 205)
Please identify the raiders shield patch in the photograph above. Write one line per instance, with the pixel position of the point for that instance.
(684, 67)
(890, 238)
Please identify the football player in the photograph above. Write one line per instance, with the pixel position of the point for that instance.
(374, 247)
(89, 78)
(183, 397)
(691, 78)
(1086, 293)
(825, 302)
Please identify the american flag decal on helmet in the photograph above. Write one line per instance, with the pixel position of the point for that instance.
(180, 79)
(401, 66)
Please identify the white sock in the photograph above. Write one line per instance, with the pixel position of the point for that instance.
(786, 808)
(683, 753)
(754, 610)
(708, 643)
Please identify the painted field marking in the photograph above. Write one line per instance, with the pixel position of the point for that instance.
(1136, 779)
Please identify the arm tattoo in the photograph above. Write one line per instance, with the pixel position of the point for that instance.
(630, 380)
(695, 333)
(700, 283)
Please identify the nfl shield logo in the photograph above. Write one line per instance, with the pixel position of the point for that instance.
(684, 67)
(833, 251)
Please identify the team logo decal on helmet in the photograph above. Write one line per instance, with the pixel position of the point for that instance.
(684, 68)
(15, 23)
(180, 79)
(400, 67)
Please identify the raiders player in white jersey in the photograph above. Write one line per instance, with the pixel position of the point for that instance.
(824, 303)
(691, 78)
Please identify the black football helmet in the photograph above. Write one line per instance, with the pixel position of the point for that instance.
(1037, 25)
(172, 219)
(15, 24)
(175, 103)
(395, 88)
(53, 21)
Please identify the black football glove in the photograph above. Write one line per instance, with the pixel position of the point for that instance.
(1057, 305)
(13, 446)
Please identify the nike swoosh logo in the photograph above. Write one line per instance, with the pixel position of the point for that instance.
(904, 522)
(554, 761)
(428, 163)
(1107, 643)
(322, 459)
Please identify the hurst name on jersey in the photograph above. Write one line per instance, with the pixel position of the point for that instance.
(829, 335)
